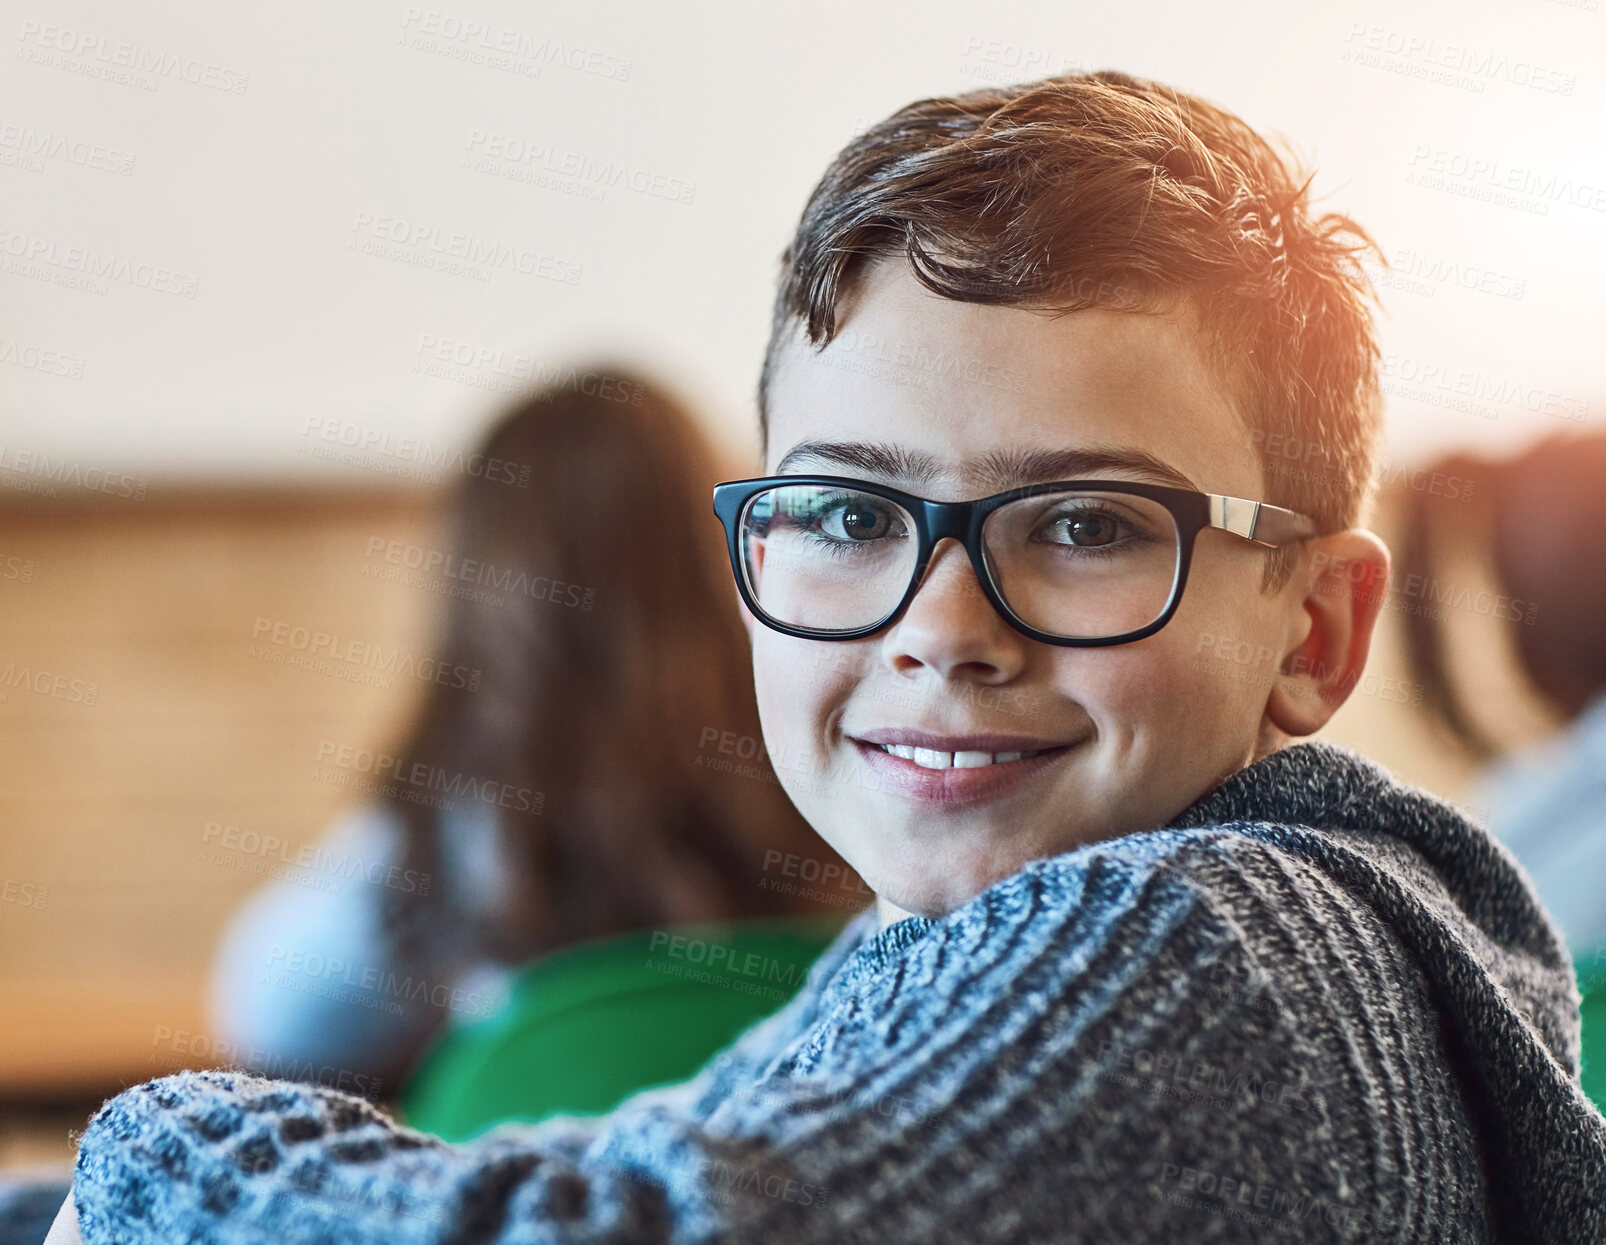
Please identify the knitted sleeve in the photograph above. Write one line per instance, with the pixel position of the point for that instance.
(1178, 1036)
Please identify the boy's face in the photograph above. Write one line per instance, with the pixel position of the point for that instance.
(1138, 731)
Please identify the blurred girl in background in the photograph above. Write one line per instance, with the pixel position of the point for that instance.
(614, 657)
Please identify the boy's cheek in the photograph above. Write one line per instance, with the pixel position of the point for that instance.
(1170, 691)
(797, 685)
(1117, 686)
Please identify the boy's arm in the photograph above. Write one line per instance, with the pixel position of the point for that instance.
(1091, 1048)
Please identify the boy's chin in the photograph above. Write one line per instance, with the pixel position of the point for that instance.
(934, 898)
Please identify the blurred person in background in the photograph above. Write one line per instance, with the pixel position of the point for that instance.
(1540, 518)
(604, 664)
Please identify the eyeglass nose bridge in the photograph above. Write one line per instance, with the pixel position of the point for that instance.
(956, 520)
(948, 518)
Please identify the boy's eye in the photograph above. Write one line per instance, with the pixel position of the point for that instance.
(1090, 528)
(1086, 530)
(857, 520)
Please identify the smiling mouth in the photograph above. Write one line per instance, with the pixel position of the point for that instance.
(928, 758)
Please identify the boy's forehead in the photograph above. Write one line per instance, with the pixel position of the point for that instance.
(930, 392)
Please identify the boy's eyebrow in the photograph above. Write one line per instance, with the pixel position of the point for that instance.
(995, 471)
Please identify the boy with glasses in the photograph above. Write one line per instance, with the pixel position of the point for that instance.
(1141, 967)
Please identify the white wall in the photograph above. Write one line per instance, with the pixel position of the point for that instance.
(250, 198)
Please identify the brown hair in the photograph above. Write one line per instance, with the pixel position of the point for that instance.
(1535, 520)
(609, 648)
(1103, 190)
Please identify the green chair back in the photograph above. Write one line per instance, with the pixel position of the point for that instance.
(1592, 984)
(586, 1027)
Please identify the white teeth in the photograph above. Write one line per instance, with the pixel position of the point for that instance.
(930, 758)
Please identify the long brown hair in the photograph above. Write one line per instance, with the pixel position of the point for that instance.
(612, 687)
(1537, 520)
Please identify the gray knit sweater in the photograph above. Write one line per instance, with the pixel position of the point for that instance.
(1319, 1006)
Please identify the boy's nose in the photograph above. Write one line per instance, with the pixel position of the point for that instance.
(951, 628)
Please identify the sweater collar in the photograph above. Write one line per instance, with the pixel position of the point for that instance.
(1315, 784)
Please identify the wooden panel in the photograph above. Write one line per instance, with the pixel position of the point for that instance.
(147, 712)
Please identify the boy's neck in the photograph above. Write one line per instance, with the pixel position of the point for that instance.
(889, 913)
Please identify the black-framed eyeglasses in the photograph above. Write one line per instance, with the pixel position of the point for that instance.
(1079, 563)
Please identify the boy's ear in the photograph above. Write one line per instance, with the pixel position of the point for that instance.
(1345, 577)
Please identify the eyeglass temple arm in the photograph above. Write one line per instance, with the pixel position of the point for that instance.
(1259, 522)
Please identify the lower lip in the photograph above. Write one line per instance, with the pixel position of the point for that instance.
(951, 787)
